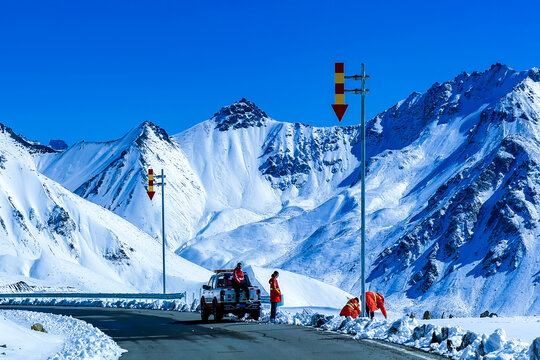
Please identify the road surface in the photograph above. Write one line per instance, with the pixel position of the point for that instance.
(154, 334)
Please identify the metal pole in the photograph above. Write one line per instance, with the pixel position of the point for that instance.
(363, 198)
(163, 224)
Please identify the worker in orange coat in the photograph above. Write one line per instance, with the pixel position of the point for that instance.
(352, 308)
(275, 295)
(374, 302)
(239, 283)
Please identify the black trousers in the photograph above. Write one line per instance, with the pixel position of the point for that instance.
(369, 313)
(238, 288)
(273, 308)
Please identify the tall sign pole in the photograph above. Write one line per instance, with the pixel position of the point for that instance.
(151, 195)
(363, 186)
(340, 108)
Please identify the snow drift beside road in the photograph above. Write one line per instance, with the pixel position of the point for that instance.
(66, 337)
(452, 341)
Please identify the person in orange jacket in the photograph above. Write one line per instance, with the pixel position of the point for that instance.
(275, 295)
(352, 308)
(239, 283)
(374, 301)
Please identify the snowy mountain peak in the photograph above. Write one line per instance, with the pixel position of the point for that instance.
(241, 114)
(146, 130)
(31, 146)
(498, 67)
(534, 74)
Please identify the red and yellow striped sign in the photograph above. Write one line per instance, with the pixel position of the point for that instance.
(340, 107)
(150, 183)
(340, 84)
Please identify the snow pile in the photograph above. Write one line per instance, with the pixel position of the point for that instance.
(18, 342)
(178, 305)
(66, 337)
(453, 341)
(524, 328)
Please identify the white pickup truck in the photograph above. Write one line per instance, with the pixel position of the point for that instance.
(219, 298)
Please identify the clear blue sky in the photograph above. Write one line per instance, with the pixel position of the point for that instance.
(92, 70)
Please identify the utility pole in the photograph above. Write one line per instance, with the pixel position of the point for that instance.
(340, 107)
(151, 195)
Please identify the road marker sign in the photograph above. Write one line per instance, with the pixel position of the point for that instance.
(150, 191)
(340, 107)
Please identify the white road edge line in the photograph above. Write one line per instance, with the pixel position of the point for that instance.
(408, 352)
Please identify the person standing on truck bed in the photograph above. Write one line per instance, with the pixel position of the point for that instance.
(238, 282)
(275, 295)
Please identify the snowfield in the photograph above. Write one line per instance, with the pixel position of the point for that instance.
(457, 338)
(298, 290)
(66, 338)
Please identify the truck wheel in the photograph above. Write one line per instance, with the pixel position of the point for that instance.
(256, 314)
(204, 311)
(218, 313)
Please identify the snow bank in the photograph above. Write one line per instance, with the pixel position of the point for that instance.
(66, 338)
(453, 342)
(19, 342)
(178, 305)
(524, 328)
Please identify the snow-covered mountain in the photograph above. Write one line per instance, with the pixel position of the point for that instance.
(50, 236)
(237, 168)
(452, 202)
(114, 175)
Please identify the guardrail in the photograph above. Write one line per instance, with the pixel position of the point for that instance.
(266, 300)
(174, 296)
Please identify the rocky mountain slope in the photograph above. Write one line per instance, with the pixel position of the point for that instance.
(452, 211)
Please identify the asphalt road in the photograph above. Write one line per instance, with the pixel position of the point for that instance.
(154, 334)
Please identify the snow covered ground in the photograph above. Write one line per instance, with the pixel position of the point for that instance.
(298, 290)
(458, 338)
(66, 338)
(523, 328)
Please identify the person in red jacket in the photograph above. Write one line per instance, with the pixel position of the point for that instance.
(352, 308)
(239, 283)
(275, 295)
(374, 301)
